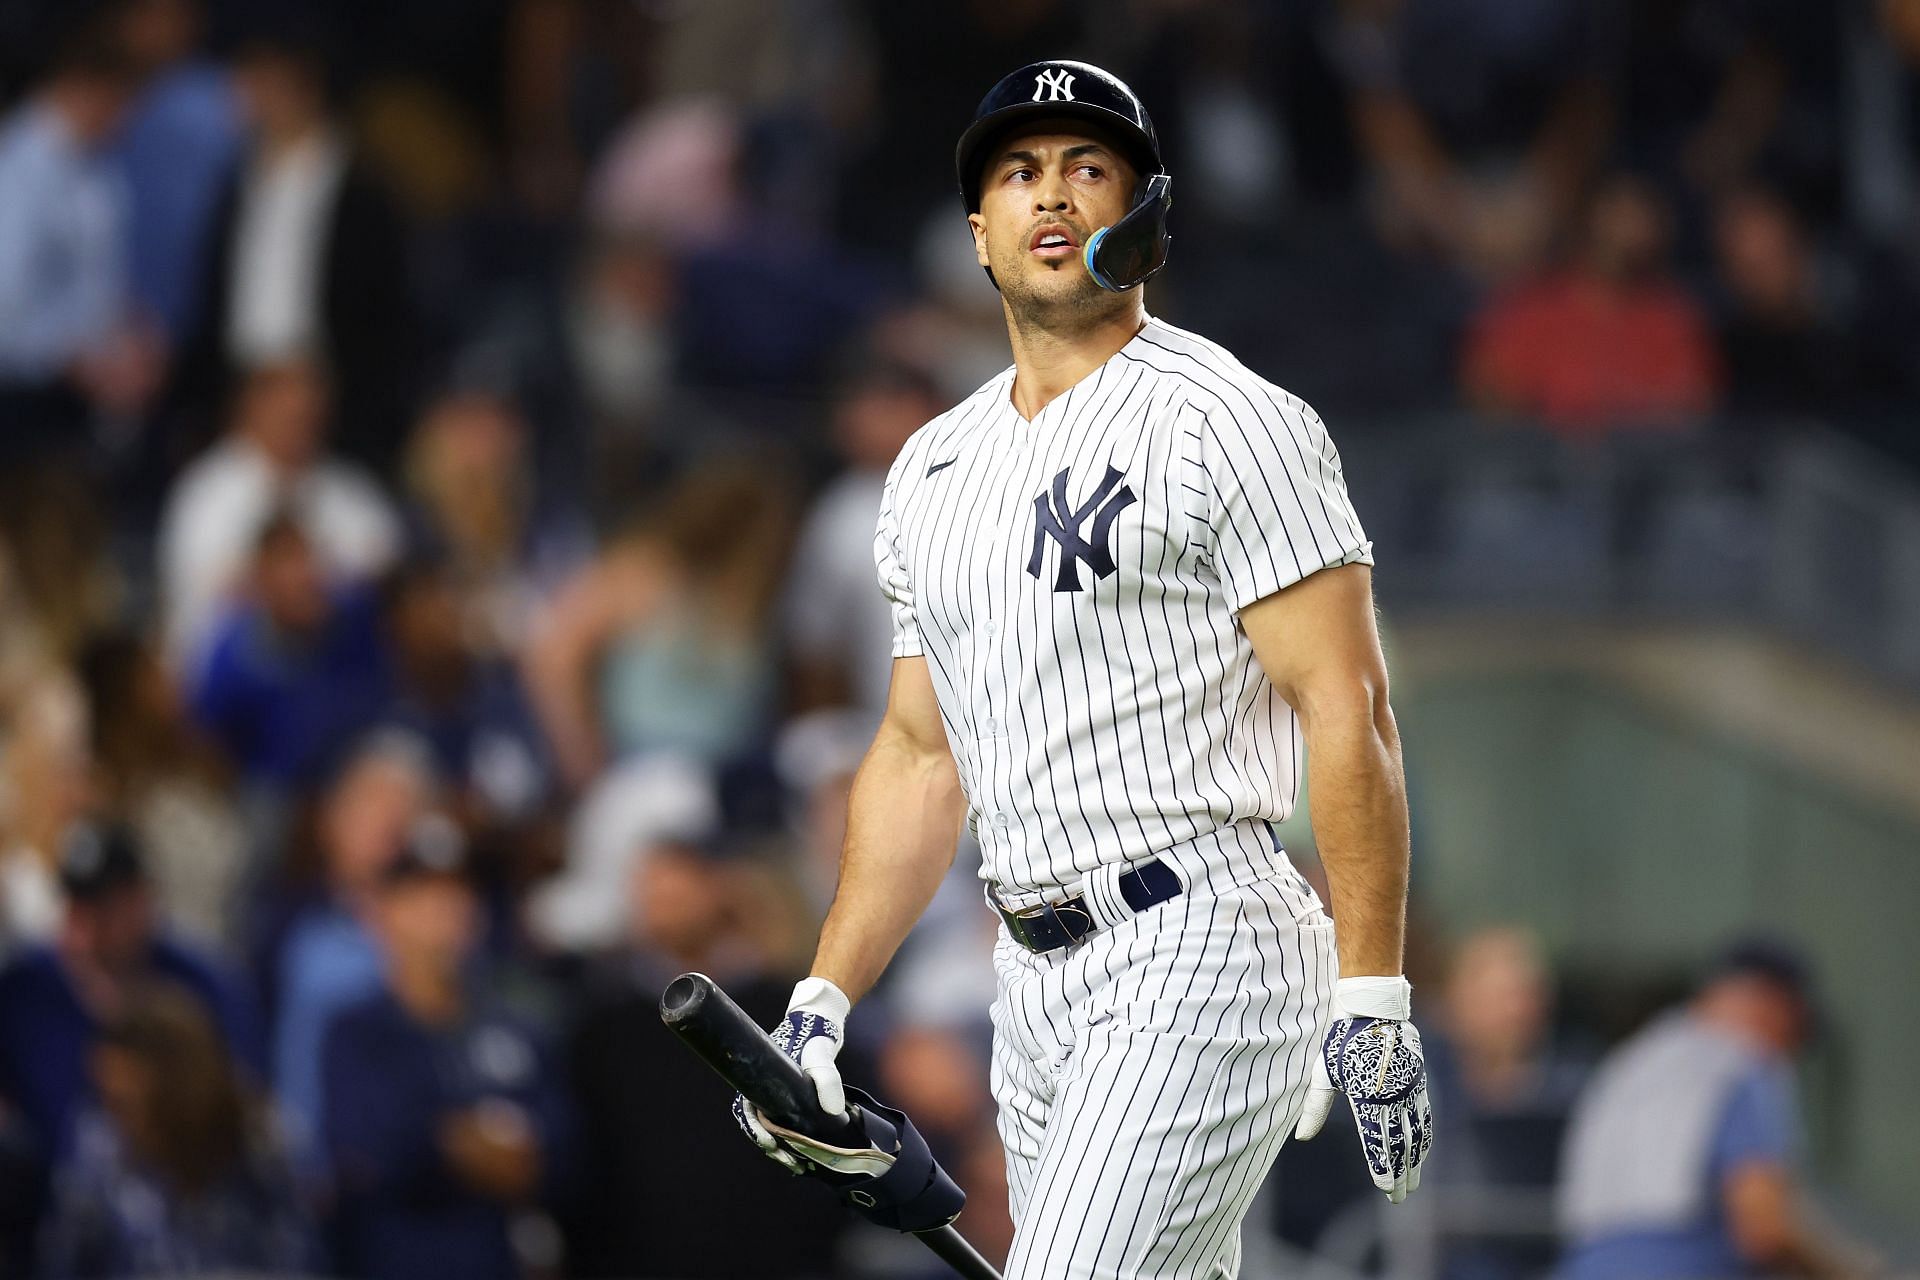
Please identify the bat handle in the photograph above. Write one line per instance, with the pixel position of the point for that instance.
(954, 1250)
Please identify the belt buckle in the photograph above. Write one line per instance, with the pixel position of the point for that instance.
(1059, 913)
(1018, 921)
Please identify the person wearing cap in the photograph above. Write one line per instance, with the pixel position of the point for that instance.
(683, 907)
(54, 998)
(442, 1115)
(1680, 1160)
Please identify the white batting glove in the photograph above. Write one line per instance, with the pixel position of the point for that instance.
(1372, 1054)
(811, 1035)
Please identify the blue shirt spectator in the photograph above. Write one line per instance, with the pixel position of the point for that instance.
(393, 1085)
(1755, 1124)
(297, 673)
(179, 1171)
(328, 963)
(322, 957)
(47, 1027)
(442, 1115)
(1680, 1159)
(468, 708)
(176, 151)
(71, 347)
(62, 260)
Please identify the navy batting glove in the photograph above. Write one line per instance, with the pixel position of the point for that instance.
(1372, 1055)
(811, 1035)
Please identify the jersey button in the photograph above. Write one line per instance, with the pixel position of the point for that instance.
(991, 632)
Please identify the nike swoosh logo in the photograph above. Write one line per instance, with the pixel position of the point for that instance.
(941, 466)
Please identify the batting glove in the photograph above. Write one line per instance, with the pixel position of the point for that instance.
(810, 1035)
(1372, 1055)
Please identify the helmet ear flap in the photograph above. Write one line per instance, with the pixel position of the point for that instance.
(1127, 254)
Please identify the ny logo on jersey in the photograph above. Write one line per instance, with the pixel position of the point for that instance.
(1061, 521)
(1056, 84)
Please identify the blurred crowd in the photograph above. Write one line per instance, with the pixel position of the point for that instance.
(439, 448)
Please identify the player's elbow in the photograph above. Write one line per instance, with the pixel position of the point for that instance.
(1351, 702)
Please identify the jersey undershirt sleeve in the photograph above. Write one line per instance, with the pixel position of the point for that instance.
(1277, 498)
(890, 558)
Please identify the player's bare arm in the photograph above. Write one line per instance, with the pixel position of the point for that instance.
(903, 824)
(1317, 642)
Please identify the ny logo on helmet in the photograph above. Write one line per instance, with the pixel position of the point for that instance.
(1056, 84)
(1061, 521)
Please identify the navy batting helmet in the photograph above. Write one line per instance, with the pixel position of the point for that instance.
(1128, 252)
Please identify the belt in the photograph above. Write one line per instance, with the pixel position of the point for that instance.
(1053, 925)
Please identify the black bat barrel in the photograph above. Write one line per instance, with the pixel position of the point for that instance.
(713, 1026)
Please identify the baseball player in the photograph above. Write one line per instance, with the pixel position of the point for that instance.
(1127, 588)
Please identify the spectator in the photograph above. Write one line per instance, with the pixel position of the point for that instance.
(442, 1115)
(478, 502)
(54, 999)
(1608, 340)
(630, 810)
(1496, 1060)
(322, 958)
(664, 643)
(468, 709)
(619, 344)
(1786, 355)
(683, 914)
(271, 460)
(1717, 93)
(1505, 1087)
(1482, 121)
(178, 1173)
(1681, 1157)
(160, 778)
(69, 342)
(839, 634)
(308, 261)
(590, 355)
(177, 150)
(294, 675)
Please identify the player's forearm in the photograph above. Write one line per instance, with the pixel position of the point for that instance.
(1359, 796)
(903, 822)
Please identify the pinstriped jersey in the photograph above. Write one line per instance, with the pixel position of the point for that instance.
(1074, 582)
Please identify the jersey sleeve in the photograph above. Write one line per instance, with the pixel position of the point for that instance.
(1277, 499)
(890, 558)
(1757, 1125)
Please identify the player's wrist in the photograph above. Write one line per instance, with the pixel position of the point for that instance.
(822, 997)
(1374, 997)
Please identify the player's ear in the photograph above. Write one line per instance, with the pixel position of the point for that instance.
(978, 225)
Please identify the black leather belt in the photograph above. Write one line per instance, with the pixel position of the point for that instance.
(1053, 925)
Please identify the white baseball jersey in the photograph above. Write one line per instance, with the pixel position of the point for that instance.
(1074, 581)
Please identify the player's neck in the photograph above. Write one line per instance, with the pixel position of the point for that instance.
(1048, 362)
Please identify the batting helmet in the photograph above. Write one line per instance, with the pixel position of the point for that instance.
(1128, 252)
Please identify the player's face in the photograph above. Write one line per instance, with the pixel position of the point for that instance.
(1042, 194)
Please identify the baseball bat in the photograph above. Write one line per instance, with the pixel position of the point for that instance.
(708, 1021)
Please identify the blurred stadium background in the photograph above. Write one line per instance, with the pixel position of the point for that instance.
(438, 448)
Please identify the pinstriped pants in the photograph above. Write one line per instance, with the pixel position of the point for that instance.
(1147, 1078)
